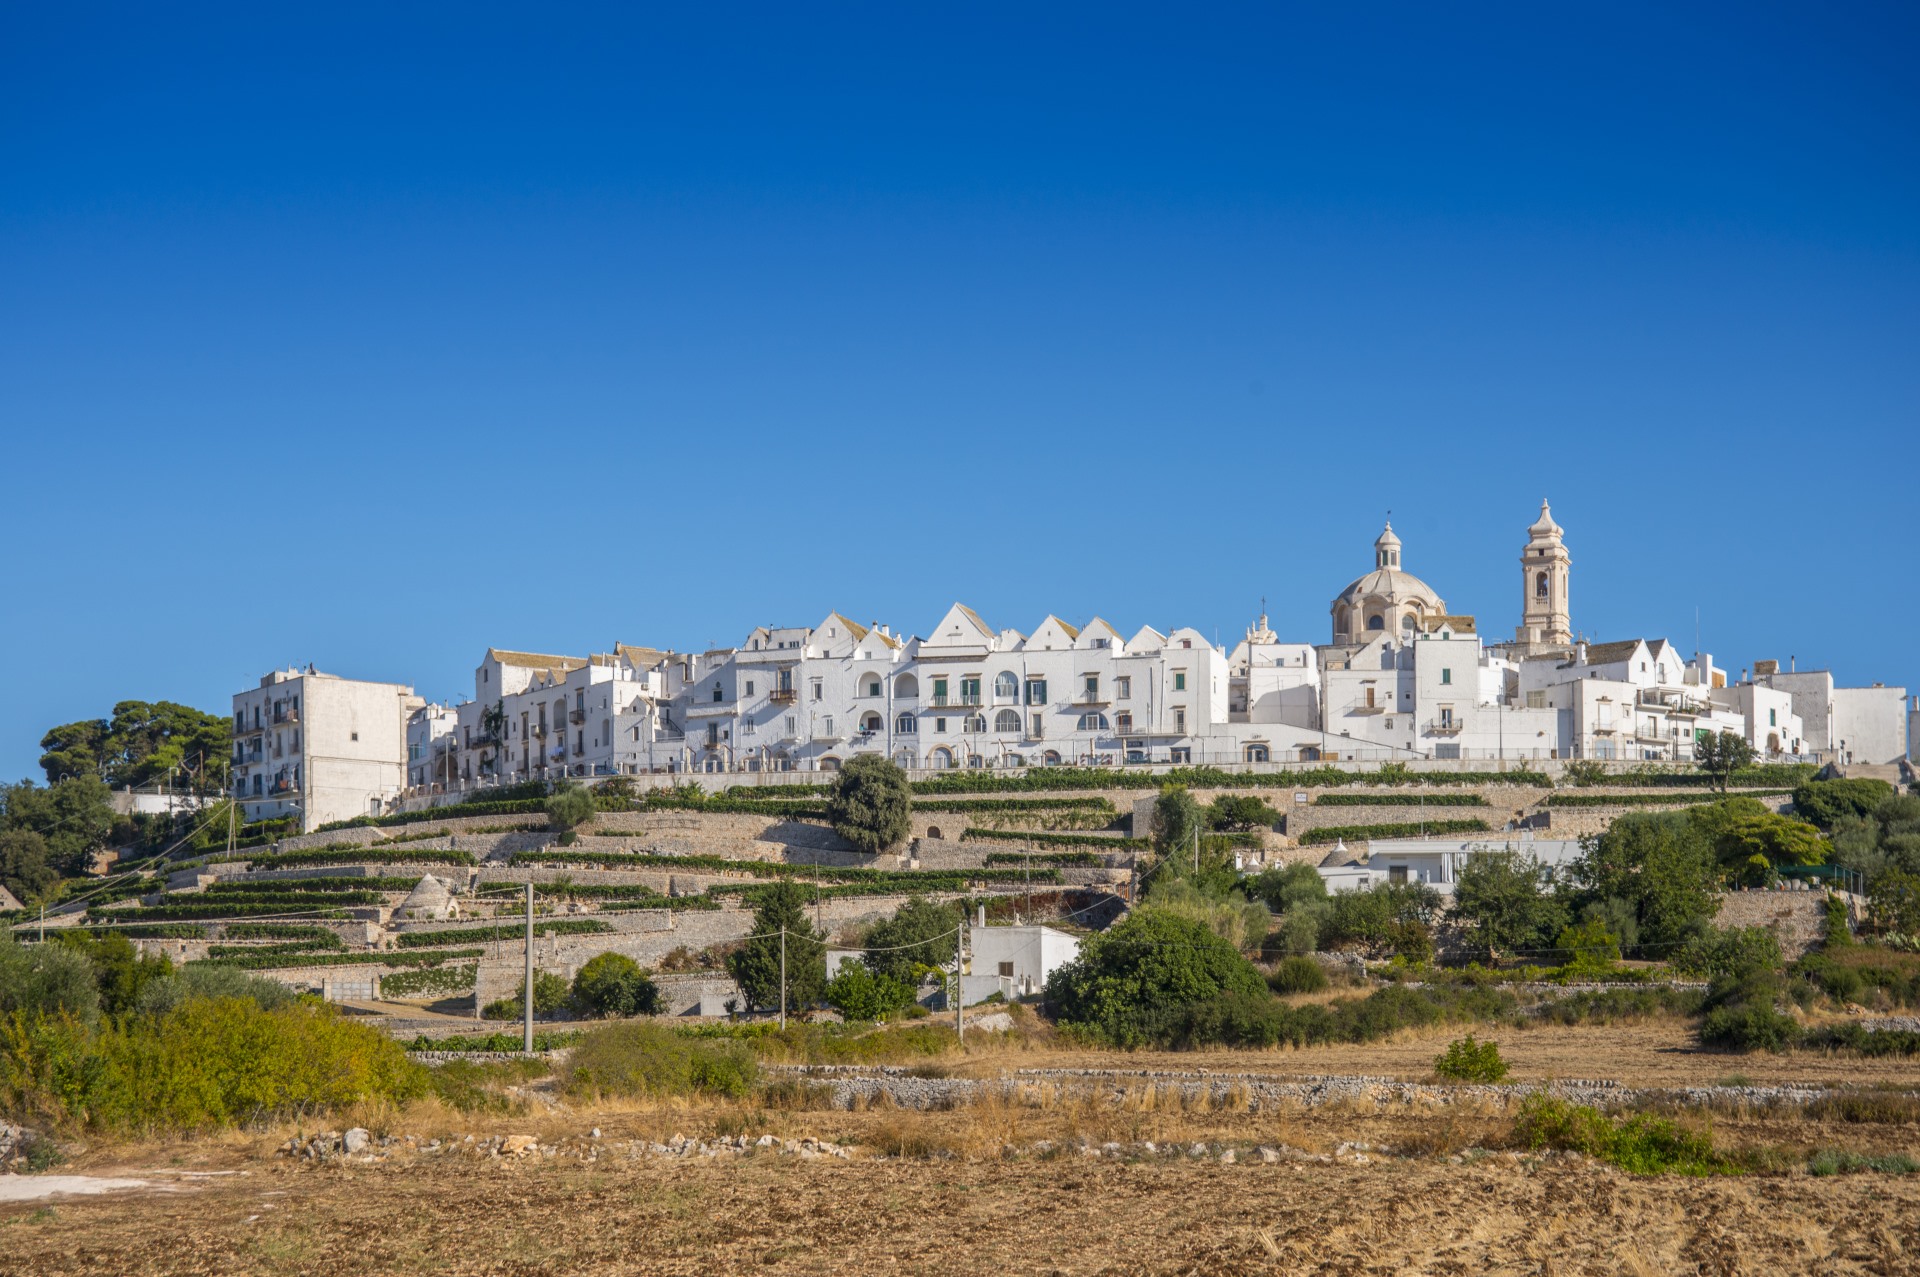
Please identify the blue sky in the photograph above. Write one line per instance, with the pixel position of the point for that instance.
(372, 338)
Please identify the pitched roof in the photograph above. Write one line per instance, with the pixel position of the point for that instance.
(639, 657)
(535, 660)
(854, 628)
(974, 616)
(1458, 624)
(1608, 653)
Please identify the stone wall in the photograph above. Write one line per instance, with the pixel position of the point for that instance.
(1798, 918)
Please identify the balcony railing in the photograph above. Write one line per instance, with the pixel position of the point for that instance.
(963, 701)
(1089, 696)
(1367, 707)
(1445, 726)
(576, 716)
(783, 696)
(286, 714)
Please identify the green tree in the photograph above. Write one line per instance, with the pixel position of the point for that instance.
(1589, 946)
(1285, 887)
(121, 972)
(1662, 866)
(47, 979)
(613, 984)
(1380, 917)
(859, 994)
(1176, 821)
(74, 818)
(201, 980)
(550, 993)
(920, 934)
(1503, 898)
(1728, 952)
(1242, 923)
(1137, 982)
(568, 807)
(871, 804)
(782, 908)
(1241, 812)
(144, 743)
(24, 870)
(1721, 754)
(1780, 840)
(1893, 902)
(1827, 802)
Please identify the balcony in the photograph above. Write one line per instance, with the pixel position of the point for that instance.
(829, 735)
(538, 731)
(576, 716)
(1368, 707)
(966, 700)
(1092, 697)
(783, 696)
(1445, 726)
(285, 714)
(1034, 731)
(668, 734)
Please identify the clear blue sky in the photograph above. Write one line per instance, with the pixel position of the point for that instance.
(374, 335)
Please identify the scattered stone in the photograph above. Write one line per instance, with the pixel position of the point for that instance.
(356, 1141)
(1228, 1158)
(1269, 1155)
(518, 1145)
(594, 1134)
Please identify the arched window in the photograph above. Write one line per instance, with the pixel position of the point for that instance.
(906, 687)
(905, 725)
(1540, 586)
(1343, 619)
(1006, 686)
(1006, 720)
(829, 764)
(1256, 753)
(1093, 722)
(1050, 759)
(1376, 622)
(869, 722)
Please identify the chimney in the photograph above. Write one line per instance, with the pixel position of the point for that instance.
(982, 916)
(1580, 652)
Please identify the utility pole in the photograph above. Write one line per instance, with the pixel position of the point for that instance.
(527, 998)
(959, 993)
(783, 977)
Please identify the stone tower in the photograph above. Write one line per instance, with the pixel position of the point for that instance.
(1546, 618)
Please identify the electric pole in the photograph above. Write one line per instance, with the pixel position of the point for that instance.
(528, 997)
(783, 977)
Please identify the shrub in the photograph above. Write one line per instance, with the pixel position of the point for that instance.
(205, 1063)
(1297, 975)
(613, 984)
(1397, 829)
(429, 982)
(652, 1059)
(871, 805)
(1136, 982)
(1242, 812)
(1836, 1161)
(47, 979)
(1639, 1144)
(1743, 1014)
(859, 994)
(550, 993)
(1727, 951)
(1588, 949)
(569, 807)
(1372, 917)
(1827, 802)
(1176, 819)
(1466, 1060)
(920, 934)
(197, 980)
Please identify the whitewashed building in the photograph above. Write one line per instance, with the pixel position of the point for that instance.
(320, 747)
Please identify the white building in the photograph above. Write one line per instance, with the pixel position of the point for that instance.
(1436, 862)
(320, 747)
(1015, 961)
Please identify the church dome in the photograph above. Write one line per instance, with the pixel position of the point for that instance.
(1387, 600)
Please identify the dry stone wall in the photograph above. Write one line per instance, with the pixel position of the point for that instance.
(1798, 918)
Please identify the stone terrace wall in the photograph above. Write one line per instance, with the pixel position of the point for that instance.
(1798, 918)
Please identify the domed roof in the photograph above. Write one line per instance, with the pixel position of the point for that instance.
(1389, 585)
(1387, 539)
(430, 898)
(1544, 527)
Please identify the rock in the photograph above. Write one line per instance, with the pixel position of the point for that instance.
(518, 1145)
(1228, 1158)
(1198, 1150)
(594, 1134)
(356, 1141)
(1269, 1155)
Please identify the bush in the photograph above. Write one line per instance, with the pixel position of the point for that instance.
(1398, 829)
(1466, 1060)
(871, 805)
(1244, 812)
(652, 1059)
(205, 1063)
(198, 980)
(550, 994)
(1743, 1014)
(1727, 951)
(612, 984)
(1137, 982)
(920, 934)
(857, 993)
(47, 979)
(1640, 1144)
(1588, 949)
(1827, 802)
(1297, 975)
(1376, 917)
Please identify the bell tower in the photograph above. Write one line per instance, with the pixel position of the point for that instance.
(1546, 618)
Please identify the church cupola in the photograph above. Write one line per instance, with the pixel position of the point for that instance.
(1386, 551)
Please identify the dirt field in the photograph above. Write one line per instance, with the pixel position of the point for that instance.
(939, 1192)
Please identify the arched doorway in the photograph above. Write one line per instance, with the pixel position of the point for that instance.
(940, 758)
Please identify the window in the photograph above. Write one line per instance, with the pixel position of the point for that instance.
(1093, 723)
(970, 689)
(1006, 970)
(1540, 584)
(749, 687)
(1006, 721)
(1092, 687)
(790, 725)
(940, 726)
(1536, 700)
(1773, 718)
(1180, 720)
(1125, 721)
(1179, 680)
(975, 723)
(939, 691)
(1006, 686)
(873, 687)
(1446, 676)
(904, 725)
(816, 692)
(716, 692)
(1123, 688)
(713, 734)
(869, 722)
(356, 735)
(1036, 691)
(1446, 716)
